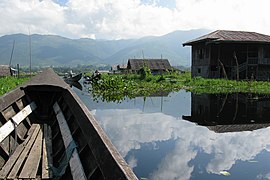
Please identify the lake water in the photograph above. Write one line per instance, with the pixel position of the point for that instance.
(188, 136)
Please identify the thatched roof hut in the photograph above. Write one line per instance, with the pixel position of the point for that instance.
(155, 65)
(5, 70)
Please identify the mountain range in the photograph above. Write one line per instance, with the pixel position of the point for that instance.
(52, 50)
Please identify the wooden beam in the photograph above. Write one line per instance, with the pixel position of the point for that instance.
(77, 170)
(12, 160)
(31, 165)
(9, 126)
(47, 153)
(19, 162)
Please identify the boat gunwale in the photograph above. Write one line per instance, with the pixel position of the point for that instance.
(105, 139)
(9, 98)
(49, 79)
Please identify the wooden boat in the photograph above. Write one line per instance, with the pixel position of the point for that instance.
(74, 78)
(46, 132)
(75, 84)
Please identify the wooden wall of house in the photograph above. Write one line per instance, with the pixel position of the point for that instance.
(252, 59)
(264, 55)
(200, 55)
(263, 73)
(200, 60)
(228, 50)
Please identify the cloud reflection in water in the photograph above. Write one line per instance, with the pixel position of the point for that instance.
(130, 128)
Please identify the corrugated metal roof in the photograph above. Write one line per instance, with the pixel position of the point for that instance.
(231, 36)
(153, 64)
(5, 70)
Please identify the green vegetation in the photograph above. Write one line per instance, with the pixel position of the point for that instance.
(118, 87)
(201, 85)
(9, 83)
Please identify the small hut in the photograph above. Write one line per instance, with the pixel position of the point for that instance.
(5, 71)
(157, 66)
(118, 68)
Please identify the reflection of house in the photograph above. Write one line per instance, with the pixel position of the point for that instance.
(229, 113)
(231, 54)
(157, 66)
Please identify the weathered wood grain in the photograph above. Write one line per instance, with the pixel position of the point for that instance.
(47, 153)
(12, 160)
(31, 165)
(9, 126)
(75, 163)
(23, 155)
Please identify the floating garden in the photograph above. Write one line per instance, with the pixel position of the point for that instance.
(117, 87)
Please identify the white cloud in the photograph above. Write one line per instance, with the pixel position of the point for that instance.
(213, 14)
(130, 18)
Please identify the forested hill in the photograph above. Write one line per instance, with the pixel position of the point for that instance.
(54, 50)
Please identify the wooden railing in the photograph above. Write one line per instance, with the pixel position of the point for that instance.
(265, 61)
(252, 60)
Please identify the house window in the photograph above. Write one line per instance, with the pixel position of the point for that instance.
(200, 54)
(266, 52)
(199, 70)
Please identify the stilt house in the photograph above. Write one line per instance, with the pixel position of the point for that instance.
(232, 55)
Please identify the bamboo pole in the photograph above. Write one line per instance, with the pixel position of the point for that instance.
(11, 55)
(30, 54)
(223, 69)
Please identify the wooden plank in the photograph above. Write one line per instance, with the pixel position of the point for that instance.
(31, 165)
(20, 105)
(8, 113)
(77, 170)
(19, 162)
(47, 153)
(9, 126)
(12, 160)
(24, 112)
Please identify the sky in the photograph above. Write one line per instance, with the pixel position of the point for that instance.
(124, 19)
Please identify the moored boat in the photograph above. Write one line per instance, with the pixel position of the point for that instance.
(47, 132)
(72, 78)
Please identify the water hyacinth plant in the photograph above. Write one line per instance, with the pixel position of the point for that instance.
(118, 87)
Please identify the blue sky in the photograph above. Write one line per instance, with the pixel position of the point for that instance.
(61, 2)
(164, 3)
(122, 19)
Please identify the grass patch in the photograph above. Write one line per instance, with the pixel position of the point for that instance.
(9, 83)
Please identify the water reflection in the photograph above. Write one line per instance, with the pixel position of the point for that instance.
(158, 144)
(230, 112)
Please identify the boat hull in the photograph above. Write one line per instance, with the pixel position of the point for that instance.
(99, 158)
(75, 78)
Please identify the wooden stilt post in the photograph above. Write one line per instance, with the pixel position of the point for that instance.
(223, 69)
(237, 65)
